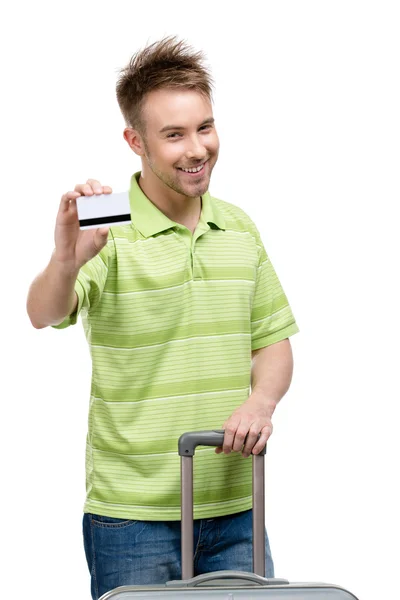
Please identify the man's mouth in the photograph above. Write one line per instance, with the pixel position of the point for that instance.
(199, 170)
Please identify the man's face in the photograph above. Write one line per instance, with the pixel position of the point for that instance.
(180, 134)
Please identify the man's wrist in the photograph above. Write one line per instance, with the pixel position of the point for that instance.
(264, 401)
(66, 269)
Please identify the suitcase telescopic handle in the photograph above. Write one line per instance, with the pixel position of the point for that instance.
(186, 447)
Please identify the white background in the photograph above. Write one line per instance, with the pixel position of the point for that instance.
(307, 109)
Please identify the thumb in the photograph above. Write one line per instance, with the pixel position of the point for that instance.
(101, 237)
(103, 231)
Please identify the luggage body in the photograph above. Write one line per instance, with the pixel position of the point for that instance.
(225, 585)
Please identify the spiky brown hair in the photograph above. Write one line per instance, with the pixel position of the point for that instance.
(168, 63)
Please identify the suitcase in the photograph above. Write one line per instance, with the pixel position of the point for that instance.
(225, 585)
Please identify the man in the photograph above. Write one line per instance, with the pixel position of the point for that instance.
(183, 313)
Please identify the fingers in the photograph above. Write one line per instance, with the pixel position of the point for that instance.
(266, 433)
(251, 440)
(68, 201)
(236, 430)
(254, 444)
(230, 430)
(240, 437)
(92, 186)
(243, 436)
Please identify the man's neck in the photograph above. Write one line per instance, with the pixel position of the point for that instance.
(175, 206)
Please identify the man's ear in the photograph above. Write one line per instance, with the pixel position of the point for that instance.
(134, 140)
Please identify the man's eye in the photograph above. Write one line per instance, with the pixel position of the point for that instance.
(205, 127)
(173, 135)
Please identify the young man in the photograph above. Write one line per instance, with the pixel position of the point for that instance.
(184, 314)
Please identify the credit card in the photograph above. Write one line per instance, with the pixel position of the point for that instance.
(103, 209)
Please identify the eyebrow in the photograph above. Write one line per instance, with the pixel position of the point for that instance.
(208, 121)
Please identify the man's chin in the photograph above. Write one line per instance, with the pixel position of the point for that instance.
(194, 191)
(196, 194)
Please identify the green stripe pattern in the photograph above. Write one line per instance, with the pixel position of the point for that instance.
(171, 319)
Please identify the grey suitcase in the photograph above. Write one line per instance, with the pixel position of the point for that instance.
(227, 585)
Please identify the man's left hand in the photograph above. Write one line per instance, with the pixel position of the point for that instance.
(250, 419)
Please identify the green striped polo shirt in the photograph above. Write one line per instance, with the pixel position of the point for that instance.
(171, 319)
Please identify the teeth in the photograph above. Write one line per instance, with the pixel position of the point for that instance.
(196, 170)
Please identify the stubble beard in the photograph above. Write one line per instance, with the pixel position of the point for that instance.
(193, 191)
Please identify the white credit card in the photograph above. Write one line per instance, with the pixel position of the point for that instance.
(103, 209)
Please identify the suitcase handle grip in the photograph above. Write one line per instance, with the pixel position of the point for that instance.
(222, 576)
(189, 441)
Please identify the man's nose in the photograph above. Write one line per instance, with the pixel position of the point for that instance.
(196, 149)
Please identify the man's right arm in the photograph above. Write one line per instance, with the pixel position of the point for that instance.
(52, 295)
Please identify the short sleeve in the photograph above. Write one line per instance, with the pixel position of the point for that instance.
(272, 319)
(89, 285)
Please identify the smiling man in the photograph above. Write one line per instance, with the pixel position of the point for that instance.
(177, 139)
(188, 329)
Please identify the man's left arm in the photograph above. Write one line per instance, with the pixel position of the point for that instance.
(271, 374)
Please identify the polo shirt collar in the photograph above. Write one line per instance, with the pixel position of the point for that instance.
(149, 220)
(210, 212)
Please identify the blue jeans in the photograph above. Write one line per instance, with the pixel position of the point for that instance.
(122, 552)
